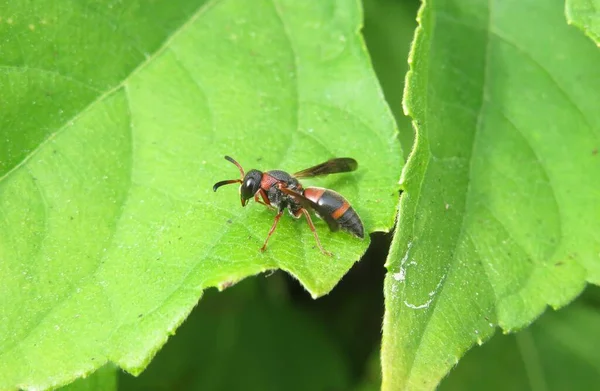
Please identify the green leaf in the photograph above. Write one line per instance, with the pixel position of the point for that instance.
(558, 352)
(242, 340)
(119, 116)
(585, 14)
(500, 215)
(58, 58)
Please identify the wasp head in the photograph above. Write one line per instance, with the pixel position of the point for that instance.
(249, 183)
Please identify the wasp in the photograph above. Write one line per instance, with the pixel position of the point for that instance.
(279, 190)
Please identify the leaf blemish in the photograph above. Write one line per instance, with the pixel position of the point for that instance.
(401, 275)
(431, 297)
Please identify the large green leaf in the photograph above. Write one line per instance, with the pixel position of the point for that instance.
(585, 14)
(500, 215)
(120, 115)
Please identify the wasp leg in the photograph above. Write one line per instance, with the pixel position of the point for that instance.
(312, 228)
(265, 200)
(264, 247)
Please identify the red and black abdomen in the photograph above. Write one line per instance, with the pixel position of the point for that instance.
(335, 210)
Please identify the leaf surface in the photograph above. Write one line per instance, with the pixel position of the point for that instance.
(120, 115)
(500, 214)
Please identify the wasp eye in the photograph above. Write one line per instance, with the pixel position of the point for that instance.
(250, 184)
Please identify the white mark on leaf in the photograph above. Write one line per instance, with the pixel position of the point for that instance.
(418, 307)
(430, 294)
(401, 274)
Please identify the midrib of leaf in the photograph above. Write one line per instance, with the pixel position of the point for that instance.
(197, 14)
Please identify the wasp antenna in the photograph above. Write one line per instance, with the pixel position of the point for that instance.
(232, 160)
(219, 184)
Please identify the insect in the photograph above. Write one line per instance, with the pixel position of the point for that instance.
(279, 190)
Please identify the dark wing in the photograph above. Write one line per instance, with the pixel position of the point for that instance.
(340, 164)
(308, 204)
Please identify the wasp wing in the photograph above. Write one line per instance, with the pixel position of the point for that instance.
(308, 204)
(332, 166)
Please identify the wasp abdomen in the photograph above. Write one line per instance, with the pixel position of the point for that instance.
(335, 210)
(351, 223)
